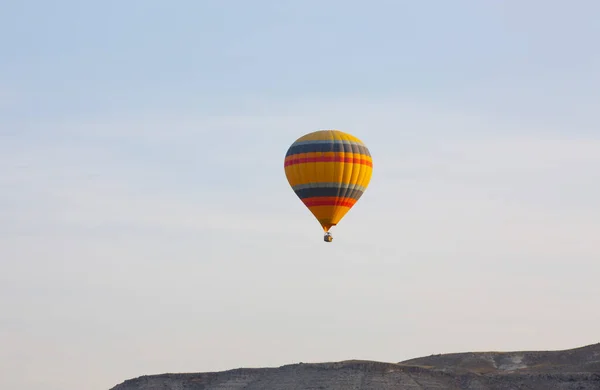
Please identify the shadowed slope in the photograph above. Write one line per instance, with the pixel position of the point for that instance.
(584, 359)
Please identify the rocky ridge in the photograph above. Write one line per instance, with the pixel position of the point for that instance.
(572, 369)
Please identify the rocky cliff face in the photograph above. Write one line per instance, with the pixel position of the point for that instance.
(544, 370)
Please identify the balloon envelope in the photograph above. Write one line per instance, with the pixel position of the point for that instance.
(329, 170)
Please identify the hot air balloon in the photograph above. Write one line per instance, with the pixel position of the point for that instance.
(329, 170)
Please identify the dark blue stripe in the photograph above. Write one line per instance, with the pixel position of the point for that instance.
(327, 147)
(329, 191)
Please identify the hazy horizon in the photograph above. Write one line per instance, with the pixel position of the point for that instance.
(146, 224)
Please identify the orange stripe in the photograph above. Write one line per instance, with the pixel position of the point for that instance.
(329, 201)
(349, 160)
(327, 154)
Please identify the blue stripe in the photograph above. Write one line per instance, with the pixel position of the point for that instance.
(328, 185)
(327, 146)
(329, 191)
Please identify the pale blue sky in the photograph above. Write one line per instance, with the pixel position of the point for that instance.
(146, 225)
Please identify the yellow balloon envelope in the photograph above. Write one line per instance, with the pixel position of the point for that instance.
(329, 170)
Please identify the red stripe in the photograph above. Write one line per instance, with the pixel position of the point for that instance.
(350, 160)
(329, 201)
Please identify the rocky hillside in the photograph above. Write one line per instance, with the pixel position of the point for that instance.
(538, 370)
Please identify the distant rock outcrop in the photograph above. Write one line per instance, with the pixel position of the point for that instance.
(540, 370)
